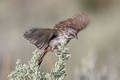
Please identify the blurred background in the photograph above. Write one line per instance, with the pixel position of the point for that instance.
(95, 56)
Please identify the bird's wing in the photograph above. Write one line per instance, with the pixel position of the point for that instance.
(40, 37)
(78, 23)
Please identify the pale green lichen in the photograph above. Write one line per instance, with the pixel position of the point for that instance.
(32, 71)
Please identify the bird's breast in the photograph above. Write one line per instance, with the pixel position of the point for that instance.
(58, 41)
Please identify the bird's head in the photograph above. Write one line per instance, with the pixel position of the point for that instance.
(72, 26)
(71, 33)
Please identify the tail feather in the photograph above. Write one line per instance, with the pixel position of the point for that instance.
(40, 60)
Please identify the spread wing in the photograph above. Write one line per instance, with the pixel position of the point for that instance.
(78, 23)
(40, 37)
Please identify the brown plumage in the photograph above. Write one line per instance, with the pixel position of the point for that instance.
(64, 31)
(78, 23)
(40, 37)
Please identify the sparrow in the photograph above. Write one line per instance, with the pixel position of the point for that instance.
(48, 40)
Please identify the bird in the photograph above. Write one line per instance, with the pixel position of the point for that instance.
(48, 39)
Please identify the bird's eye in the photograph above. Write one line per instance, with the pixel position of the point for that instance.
(74, 35)
(71, 36)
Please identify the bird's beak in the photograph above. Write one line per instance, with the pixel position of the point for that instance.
(76, 36)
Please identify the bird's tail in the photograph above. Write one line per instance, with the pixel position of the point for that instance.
(40, 60)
